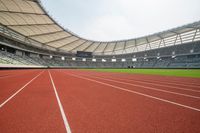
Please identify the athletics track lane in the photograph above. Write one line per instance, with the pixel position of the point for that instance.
(34, 110)
(93, 107)
(9, 85)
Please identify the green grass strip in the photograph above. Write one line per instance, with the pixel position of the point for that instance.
(195, 73)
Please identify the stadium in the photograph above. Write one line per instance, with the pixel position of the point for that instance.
(53, 80)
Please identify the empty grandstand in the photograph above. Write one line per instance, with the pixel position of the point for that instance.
(29, 36)
(54, 81)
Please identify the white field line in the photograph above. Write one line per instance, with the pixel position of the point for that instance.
(169, 83)
(12, 96)
(150, 88)
(138, 93)
(156, 84)
(158, 81)
(66, 123)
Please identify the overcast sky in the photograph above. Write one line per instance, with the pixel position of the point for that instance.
(106, 20)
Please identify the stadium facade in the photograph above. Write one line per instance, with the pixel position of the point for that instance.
(29, 36)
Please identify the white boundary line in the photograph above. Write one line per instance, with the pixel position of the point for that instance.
(169, 83)
(154, 81)
(156, 84)
(176, 82)
(66, 123)
(161, 81)
(138, 93)
(20, 90)
(149, 88)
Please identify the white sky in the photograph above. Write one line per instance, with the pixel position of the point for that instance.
(107, 20)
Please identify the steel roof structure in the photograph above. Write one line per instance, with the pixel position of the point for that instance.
(28, 21)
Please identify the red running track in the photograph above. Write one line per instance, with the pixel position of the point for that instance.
(61, 101)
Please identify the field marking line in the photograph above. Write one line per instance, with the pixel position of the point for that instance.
(178, 82)
(169, 83)
(66, 123)
(151, 83)
(155, 81)
(158, 84)
(138, 93)
(146, 87)
(12, 96)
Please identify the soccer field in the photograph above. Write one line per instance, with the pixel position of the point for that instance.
(195, 73)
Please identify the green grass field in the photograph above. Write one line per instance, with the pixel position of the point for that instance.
(195, 73)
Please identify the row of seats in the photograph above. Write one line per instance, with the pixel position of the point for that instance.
(188, 57)
(184, 61)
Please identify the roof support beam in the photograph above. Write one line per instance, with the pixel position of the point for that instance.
(81, 45)
(97, 47)
(105, 48)
(24, 12)
(114, 48)
(78, 45)
(194, 35)
(148, 44)
(124, 49)
(14, 25)
(58, 39)
(49, 33)
(88, 46)
(68, 43)
(175, 39)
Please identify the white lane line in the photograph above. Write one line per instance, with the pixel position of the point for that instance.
(160, 81)
(149, 88)
(171, 83)
(7, 100)
(175, 87)
(138, 93)
(175, 82)
(156, 84)
(66, 123)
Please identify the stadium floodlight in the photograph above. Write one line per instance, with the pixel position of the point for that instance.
(94, 60)
(62, 58)
(134, 59)
(103, 60)
(84, 59)
(74, 58)
(123, 60)
(114, 60)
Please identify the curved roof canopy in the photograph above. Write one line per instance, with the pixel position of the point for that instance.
(28, 18)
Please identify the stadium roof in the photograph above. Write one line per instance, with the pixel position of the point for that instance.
(29, 19)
